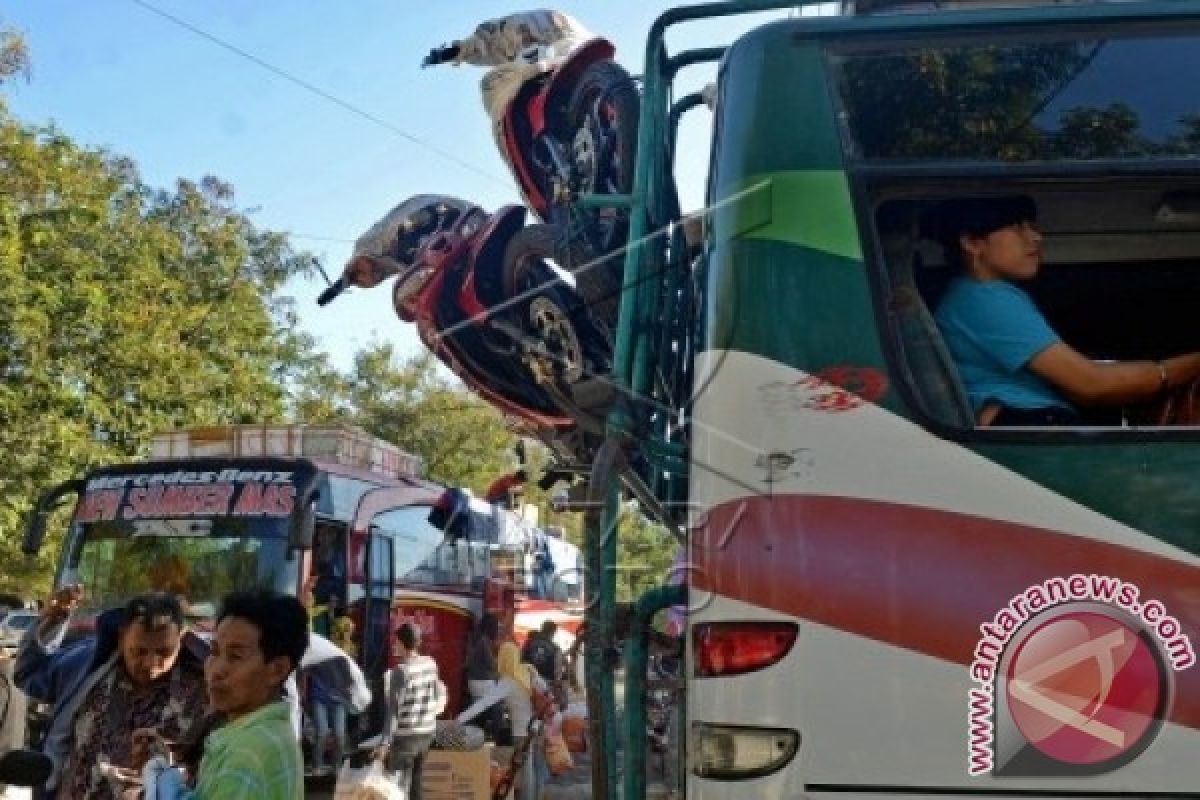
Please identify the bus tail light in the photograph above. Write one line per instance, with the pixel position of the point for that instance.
(735, 753)
(733, 648)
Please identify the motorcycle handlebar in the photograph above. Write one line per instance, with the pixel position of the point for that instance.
(440, 55)
(337, 287)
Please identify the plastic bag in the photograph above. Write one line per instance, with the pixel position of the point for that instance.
(161, 781)
(366, 783)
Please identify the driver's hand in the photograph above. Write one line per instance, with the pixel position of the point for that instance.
(62, 603)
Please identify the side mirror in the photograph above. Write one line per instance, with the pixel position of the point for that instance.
(24, 768)
(303, 525)
(35, 531)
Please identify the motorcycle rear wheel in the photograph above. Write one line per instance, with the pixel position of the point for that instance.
(603, 118)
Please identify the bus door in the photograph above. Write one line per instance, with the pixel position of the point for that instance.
(328, 571)
(380, 585)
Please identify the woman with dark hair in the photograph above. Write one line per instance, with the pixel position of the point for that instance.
(481, 657)
(1015, 368)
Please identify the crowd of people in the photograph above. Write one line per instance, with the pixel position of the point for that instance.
(514, 688)
(145, 706)
(143, 685)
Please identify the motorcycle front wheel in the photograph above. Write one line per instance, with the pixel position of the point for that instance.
(579, 350)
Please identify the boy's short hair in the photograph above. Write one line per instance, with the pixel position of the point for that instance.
(154, 610)
(979, 216)
(281, 620)
(408, 635)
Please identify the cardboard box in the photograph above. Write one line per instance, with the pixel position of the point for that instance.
(457, 775)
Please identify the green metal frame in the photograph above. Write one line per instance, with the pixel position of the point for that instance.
(636, 655)
(655, 384)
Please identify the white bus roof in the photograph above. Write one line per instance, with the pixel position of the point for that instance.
(344, 445)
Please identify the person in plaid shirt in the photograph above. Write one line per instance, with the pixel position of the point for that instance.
(415, 696)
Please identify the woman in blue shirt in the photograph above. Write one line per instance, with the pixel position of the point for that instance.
(1016, 369)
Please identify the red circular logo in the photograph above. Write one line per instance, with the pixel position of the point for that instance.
(1085, 688)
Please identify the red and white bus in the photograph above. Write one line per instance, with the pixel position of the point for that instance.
(298, 508)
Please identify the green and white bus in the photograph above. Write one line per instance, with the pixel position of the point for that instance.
(887, 598)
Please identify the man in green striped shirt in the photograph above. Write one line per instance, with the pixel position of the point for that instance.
(260, 638)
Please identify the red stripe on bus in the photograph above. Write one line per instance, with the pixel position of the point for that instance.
(918, 578)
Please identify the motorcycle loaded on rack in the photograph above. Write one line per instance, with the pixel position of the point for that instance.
(564, 116)
(512, 329)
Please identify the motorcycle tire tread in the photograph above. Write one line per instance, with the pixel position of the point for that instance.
(601, 285)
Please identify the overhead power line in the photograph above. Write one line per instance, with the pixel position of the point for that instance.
(318, 91)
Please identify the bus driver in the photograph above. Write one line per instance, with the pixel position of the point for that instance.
(1015, 368)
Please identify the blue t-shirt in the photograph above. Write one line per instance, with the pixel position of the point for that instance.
(993, 329)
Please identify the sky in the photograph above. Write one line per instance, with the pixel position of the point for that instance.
(317, 113)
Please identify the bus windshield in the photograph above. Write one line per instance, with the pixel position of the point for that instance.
(200, 560)
(197, 528)
(1078, 97)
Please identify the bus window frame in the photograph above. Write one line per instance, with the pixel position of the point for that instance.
(861, 174)
(865, 202)
(401, 580)
(370, 505)
(75, 539)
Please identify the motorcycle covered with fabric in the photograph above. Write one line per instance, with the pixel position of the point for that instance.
(564, 116)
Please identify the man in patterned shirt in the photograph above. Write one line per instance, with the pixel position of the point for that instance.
(141, 669)
(415, 696)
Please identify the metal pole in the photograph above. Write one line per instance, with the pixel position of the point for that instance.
(600, 554)
(636, 652)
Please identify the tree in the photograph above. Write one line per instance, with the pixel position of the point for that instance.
(124, 311)
(14, 54)
(1110, 132)
(645, 554)
(984, 101)
(461, 440)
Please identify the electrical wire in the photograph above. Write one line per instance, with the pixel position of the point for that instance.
(318, 91)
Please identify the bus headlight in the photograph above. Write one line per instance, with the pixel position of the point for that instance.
(734, 752)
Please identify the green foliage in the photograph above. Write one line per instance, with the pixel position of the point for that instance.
(995, 102)
(461, 440)
(645, 553)
(123, 311)
(14, 55)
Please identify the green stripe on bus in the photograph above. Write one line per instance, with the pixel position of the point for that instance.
(810, 208)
